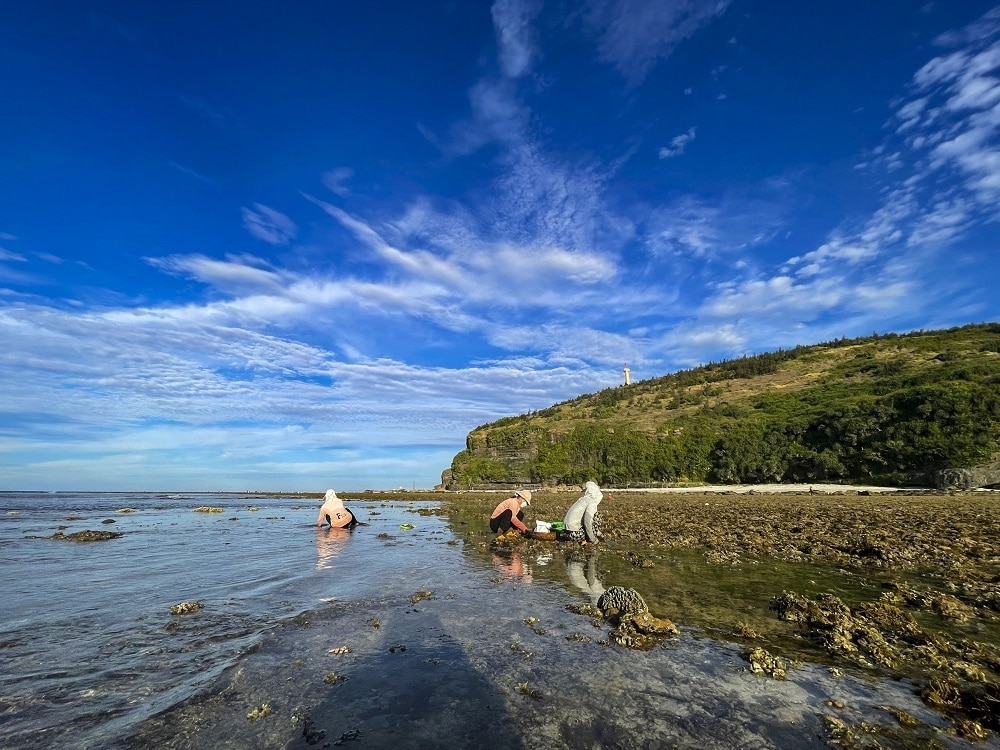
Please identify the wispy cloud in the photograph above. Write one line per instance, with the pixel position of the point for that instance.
(218, 116)
(677, 144)
(633, 35)
(235, 275)
(402, 321)
(335, 180)
(516, 44)
(939, 166)
(951, 119)
(190, 172)
(269, 225)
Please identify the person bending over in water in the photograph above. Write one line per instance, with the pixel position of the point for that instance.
(581, 523)
(334, 513)
(510, 513)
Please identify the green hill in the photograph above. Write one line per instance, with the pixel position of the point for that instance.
(918, 408)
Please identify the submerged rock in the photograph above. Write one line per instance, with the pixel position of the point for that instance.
(87, 536)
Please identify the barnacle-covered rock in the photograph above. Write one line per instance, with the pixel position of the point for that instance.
(890, 618)
(763, 662)
(260, 713)
(645, 623)
(949, 606)
(618, 600)
(186, 608)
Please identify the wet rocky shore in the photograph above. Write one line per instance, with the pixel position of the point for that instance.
(704, 619)
(927, 567)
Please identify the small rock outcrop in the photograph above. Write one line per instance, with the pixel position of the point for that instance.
(971, 478)
(87, 536)
(637, 628)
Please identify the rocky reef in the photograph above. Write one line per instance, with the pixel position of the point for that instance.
(87, 536)
(924, 566)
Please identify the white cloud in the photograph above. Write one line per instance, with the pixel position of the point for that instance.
(882, 231)
(953, 117)
(269, 225)
(236, 274)
(942, 183)
(512, 20)
(677, 144)
(941, 225)
(693, 228)
(7, 255)
(776, 297)
(335, 180)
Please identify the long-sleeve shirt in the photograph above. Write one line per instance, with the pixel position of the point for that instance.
(513, 504)
(580, 516)
(333, 507)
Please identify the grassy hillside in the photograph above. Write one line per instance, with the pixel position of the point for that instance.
(885, 409)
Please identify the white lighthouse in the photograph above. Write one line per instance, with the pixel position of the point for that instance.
(628, 374)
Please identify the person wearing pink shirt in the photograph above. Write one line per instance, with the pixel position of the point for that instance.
(510, 514)
(334, 513)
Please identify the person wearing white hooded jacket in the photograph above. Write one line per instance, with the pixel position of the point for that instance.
(581, 523)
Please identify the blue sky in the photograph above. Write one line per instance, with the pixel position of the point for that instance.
(300, 245)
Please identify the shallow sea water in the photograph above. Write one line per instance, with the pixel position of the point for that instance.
(440, 652)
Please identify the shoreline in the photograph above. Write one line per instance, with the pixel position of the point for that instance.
(774, 488)
(494, 643)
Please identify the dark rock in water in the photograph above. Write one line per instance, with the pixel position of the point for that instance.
(87, 536)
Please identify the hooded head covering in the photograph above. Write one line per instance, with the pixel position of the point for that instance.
(524, 495)
(331, 497)
(592, 491)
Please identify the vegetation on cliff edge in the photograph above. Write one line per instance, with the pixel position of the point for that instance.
(888, 409)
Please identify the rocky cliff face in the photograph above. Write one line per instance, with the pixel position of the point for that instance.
(976, 477)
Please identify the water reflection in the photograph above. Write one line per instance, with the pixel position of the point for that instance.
(329, 544)
(581, 569)
(511, 566)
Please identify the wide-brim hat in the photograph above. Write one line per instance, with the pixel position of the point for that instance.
(524, 495)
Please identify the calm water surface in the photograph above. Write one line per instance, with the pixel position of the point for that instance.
(90, 656)
(88, 641)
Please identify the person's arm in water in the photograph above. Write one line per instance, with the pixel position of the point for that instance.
(513, 504)
(516, 522)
